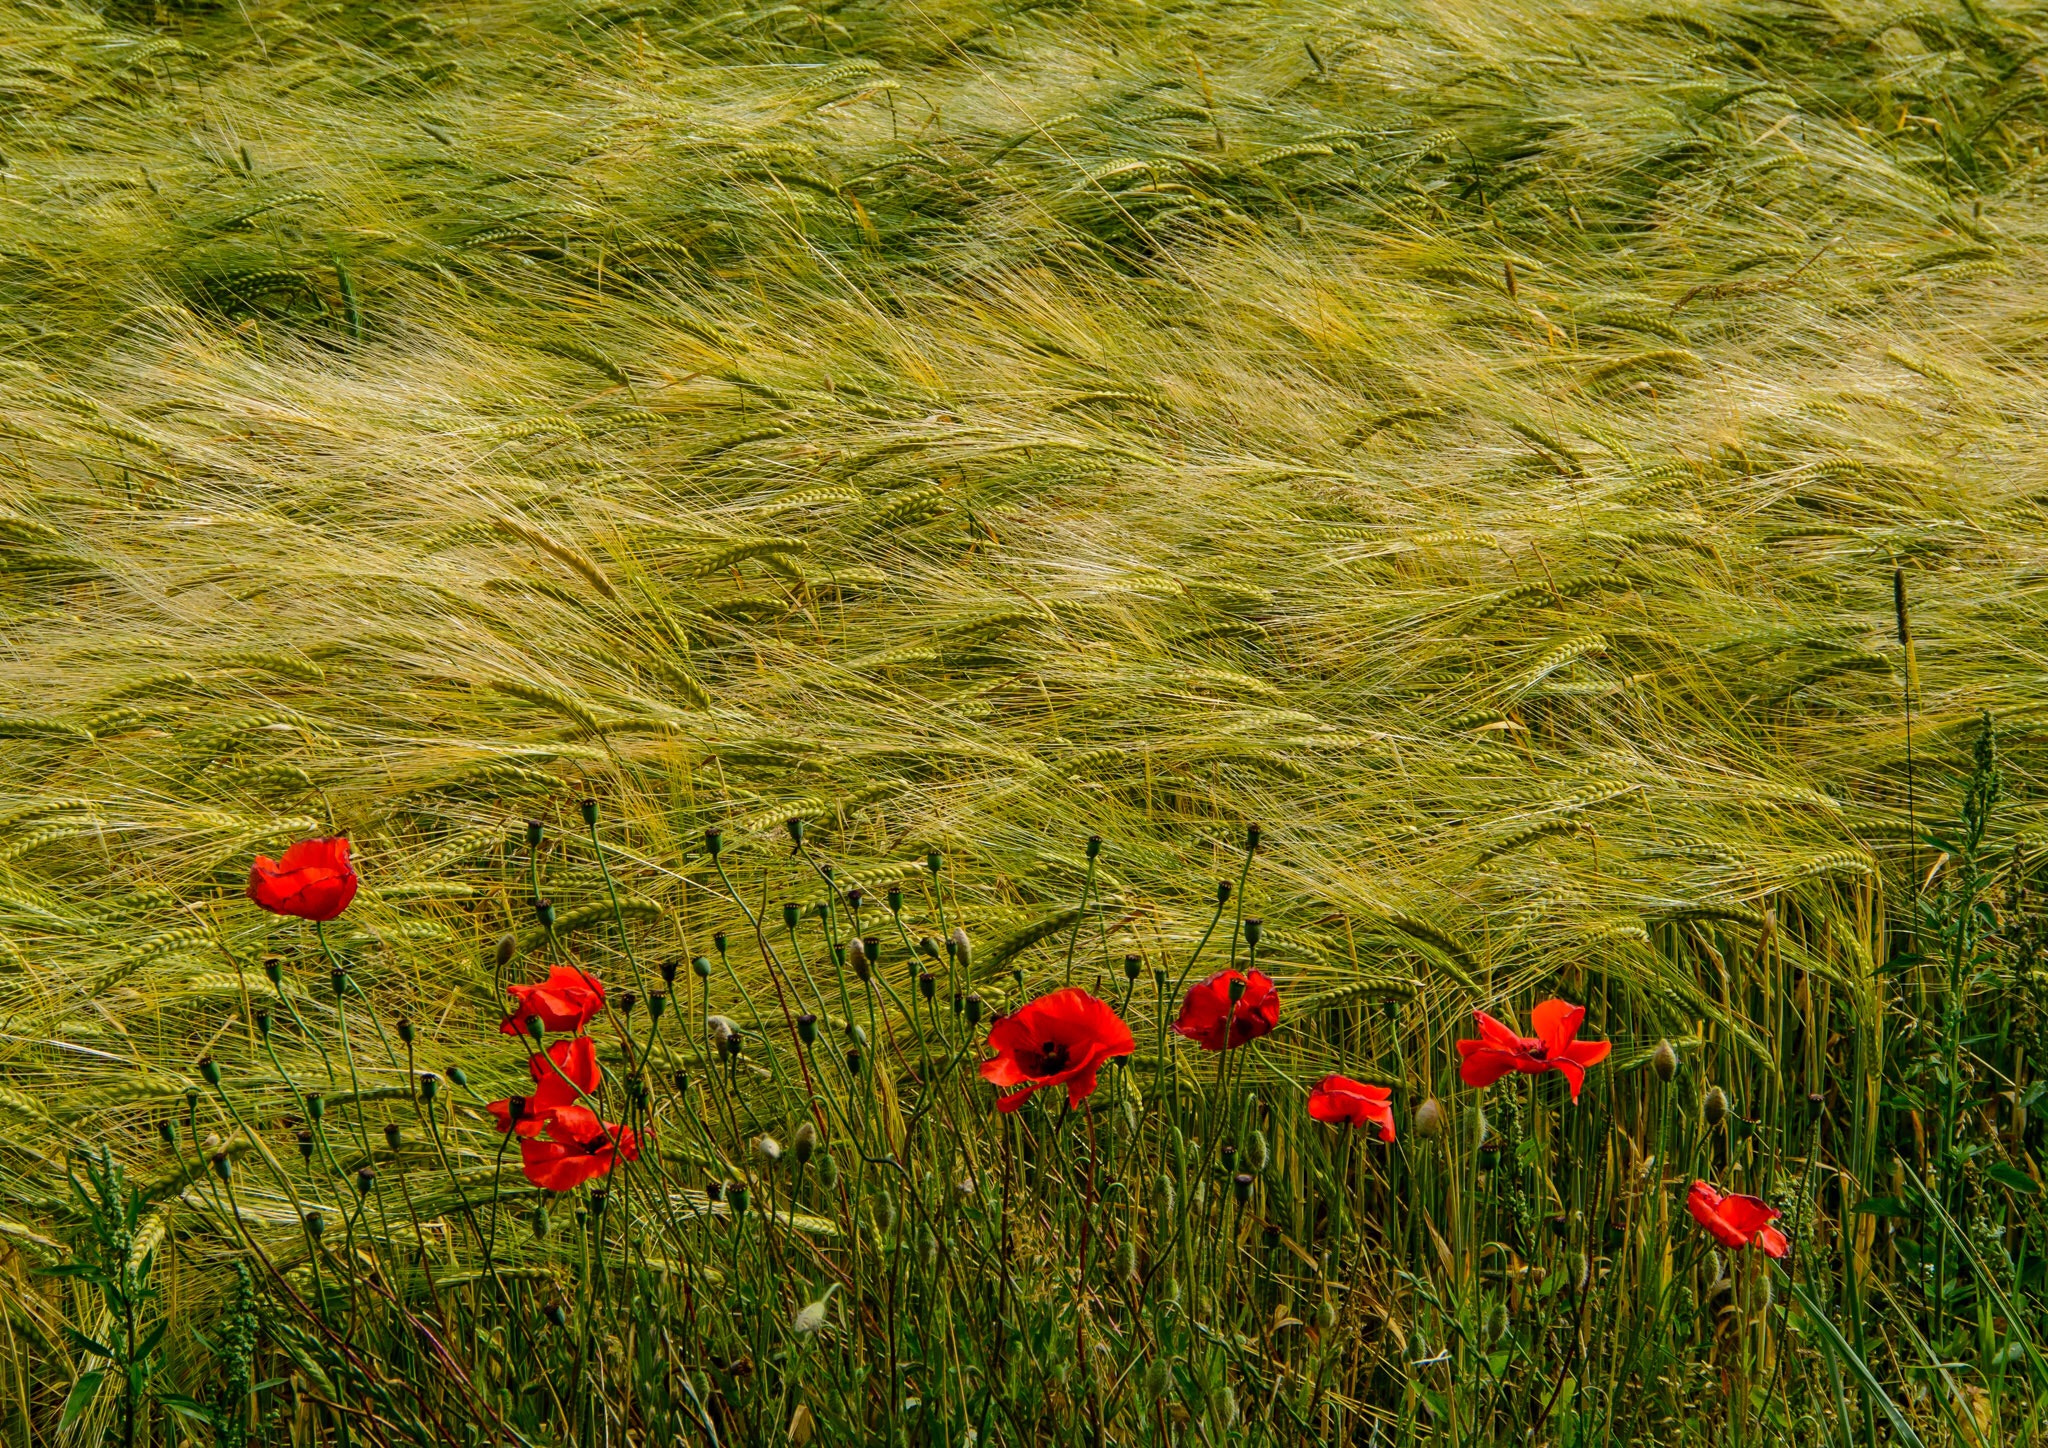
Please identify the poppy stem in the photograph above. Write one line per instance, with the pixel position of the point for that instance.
(618, 915)
(1074, 935)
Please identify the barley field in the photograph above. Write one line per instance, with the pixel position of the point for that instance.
(841, 519)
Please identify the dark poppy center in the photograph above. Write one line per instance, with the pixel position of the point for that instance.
(1538, 1052)
(1048, 1060)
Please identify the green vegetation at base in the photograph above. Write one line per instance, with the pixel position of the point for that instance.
(1481, 444)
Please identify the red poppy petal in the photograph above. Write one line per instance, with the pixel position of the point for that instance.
(1483, 1065)
(1555, 1023)
(1773, 1242)
(1497, 1035)
(1016, 1099)
(1748, 1215)
(571, 1125)
(1574, 1075)
(1588, 1053)
(1081, 1086)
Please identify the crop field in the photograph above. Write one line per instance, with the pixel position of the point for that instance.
(863, 555)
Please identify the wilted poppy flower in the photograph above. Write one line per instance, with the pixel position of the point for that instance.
(578, 1148)
(1209, 1019)
(575, 1059)
(1060, 1039)
(313, 881)
(1553, 1047)
(1737, 1221)
(565, 1001)
(1341, 1101)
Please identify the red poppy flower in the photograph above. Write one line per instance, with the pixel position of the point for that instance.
(579, 1148)
(1737, 1221)
(1553, 1047)
(576, 1059)
(1060, 1039)
(565, 1001)
(1341, 1101)
(1209, 1020)
(313, 881)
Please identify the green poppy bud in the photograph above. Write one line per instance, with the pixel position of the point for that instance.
(533, 834)
(430, 1087)
(537, 1221)
(1094, 846)
(590, 812)
(796, 832)
(932, 861)
(1257, 1153)
(545, 909)
(714, 841)
(316, 1106)
(220, 1165)
(828, 1170)
(701, 967)
(316, 1225)
(209, 1070)
(1254, 930)
(405, 1032)
(508, 946)
(1664, 1061)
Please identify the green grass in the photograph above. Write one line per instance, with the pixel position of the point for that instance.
(1475, 445)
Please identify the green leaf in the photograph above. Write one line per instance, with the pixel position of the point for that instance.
(154, 1336)
(82, 1394)
(85, 1344)
(1882, 1207)
(186, 1407)
(2013, 1179)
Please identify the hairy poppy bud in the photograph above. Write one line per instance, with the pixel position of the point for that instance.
(1497, 1323)
(1158, 1379)
(1127, 1260)
(545, 909)
(1163, 1197)
(220, 1165)
(701, 967)
(316, 1105)
(458, 1076)
(365, 1179)
(316, 1225)
(736, 1199)
(796, 831)
(804, 1144)
(857, 956)
(508, 946)
(1664, 1061)
(1222, 893)
(807, 1028)
(1094, 846)
(628, 1001)
(790, 914)
(1715, 1106)
(932, 861)
(556, 1315)
(391, 1134)
(1326, 1315)
(430, 1087)
(963, 948)
(1254, 929)
(1251, 839)
(537, 1221)
(828, 1170)
(974, 1015)
(927, 985)
(1429, 1118)
(1223, 1409)
(885, 1214)
(533, 834)
(273, 970)
(714, 841)
(857, 1035)
(768, 1149)
(263, 1024)
(1257, 1153)
(590, 811)
(1132, 965)
(405, 1032)
(209, 1070)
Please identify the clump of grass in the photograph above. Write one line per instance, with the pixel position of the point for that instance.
(1480, 446)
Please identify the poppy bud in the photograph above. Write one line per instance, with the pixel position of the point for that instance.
(636, 1092)
(1127, 1261)
(807, 1028)
(628, 1000)
(535, 1029)
(872, 944)
(1715, 1106)
(263, 1024)
(430, 1087)
(220, 1165)
(736, 1199)
(853, 1063)
(790, 914)
(895, 900)
(1236, 988)
(391, 1134)
(657, 1003)
(365, 1179)
(538, 1222)
(927, 985)
(1222, 893)
(1429, 1118)
(854, 897)
(768, 1149)
(1094, 846)
(590, 811)
(804, 1144)
(959, 1002)
(857, 956)
(533, 834)
(209, 1070)
(339, 980)
(545, 909)
(932, 861)
(168, 1130)
(928, 947)
(1497, 1323)
(599, 1196)
(273, 971)
(458, 1076)
(681, 1082)
(714, 841)
(556, 1315)
(963, 948)
(1254, 928)
(701, 967)
(668, 971)
(1257, 1153)
(316, 1106)
(928, 1249)
(1223, 1409)
(718, 944)
(1158, 1379)
(714, 1191)
(1163, 1197)
(316, 1225)
(405, 1030)
(828, 1170)
(796, 832)
(1132, 965)
(1664, 1061)
(1251, 839)
(856, 1035)
(974, 1015)
(885, 1214)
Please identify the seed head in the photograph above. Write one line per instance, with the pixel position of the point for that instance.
(1222, 893)
(557, 1315)
(669, 968)
(1664, 1061)
(854, 897)
(545, 909)
(533, 834)
(458, 1076)
(963, 948)
(714, 841)
(220, 1165)
(790, 914)
(263, 1024)
(700, 967)
(209, 1070)
(1429, 1118)
(1132, 965)
(391, 1134)
(895, 900)
(927, 985)
(405, 1031)
(1241, 1187)
(316, 1225)
(1715, 1106)
(796, 832)
(430, 1087)
(804, 1144)
(273, 970)
(1251, 839)
(1254, 930)
(974, 1013)
(628, 1001)
(933, 860)
(872, 944)
(928, 947)
(1094, 846)
(590, 812)
(736, 1200)
(657, 1003)
(316, 1106)
(807, 1028)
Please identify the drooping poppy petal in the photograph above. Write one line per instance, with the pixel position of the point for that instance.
(565, 1001)
(1061, 1039)
(1211, 1021)
(313, 881)
(1737, 1221)
(1340, 1101)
